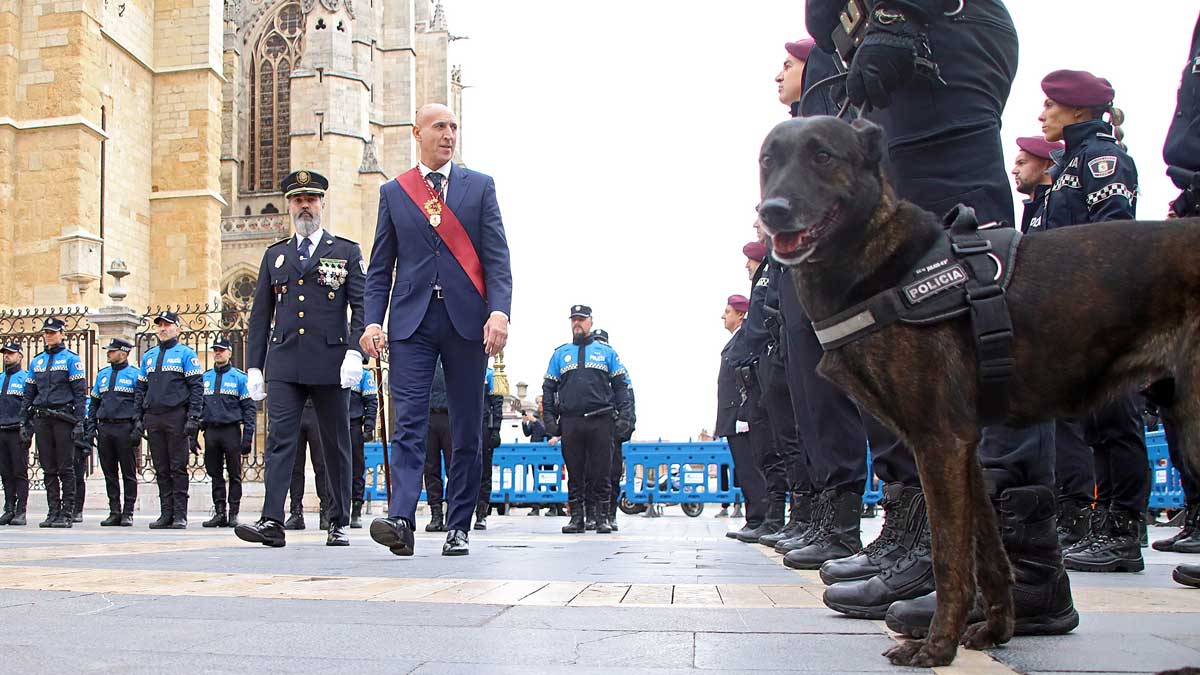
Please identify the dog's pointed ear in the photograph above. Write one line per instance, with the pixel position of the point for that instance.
(870, 138)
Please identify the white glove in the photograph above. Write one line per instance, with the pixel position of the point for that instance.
(254, 382)
(351, 369)
(741, 427)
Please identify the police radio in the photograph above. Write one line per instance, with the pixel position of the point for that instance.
(851, 29)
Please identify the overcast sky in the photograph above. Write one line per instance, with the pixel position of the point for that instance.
(623, 138)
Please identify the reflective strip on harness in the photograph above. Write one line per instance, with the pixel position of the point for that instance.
(843, 329)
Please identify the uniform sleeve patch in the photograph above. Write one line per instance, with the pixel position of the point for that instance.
(362, 264)
(1103, 167)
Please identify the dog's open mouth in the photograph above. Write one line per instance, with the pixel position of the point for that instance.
(792, 244)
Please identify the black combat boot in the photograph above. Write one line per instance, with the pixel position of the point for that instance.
(77, 514)
(772, 523)
(1188, 575)
(437, 520)
(9, 512)
(18, 519)
(51, 516)
(1097, 524)
(356, 514)
(179, 515)
(800, 508)
(839, 538)
(481, 514)
(1187, 540)
(295, 520)
(589, 516)
(1074, 521)
(114, 514)
(63, 519)
(903, 519)
(575, 525)
(821, 513)
(1118, 549)
(219, 518)
(165, 515)
(232, 519)
(909, 577)
(612, 515)
(1042, 591)
(322, 519)
(127, 511)
(602, 524)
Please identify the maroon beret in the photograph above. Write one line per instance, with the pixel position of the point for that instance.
(739, 303)
(1038, 146)
(755, 251)
(1077, 88)
(800, 48)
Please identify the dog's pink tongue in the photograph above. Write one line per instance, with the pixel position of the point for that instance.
(787, 242)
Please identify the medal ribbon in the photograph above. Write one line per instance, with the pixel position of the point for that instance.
(450, 230)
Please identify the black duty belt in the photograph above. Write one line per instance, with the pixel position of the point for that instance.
(966, 271)
(115, 420)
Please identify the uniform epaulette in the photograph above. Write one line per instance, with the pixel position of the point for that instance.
(348, 241)
(281, 241)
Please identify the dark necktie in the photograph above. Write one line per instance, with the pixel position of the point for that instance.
(305, 248)
(435, 179)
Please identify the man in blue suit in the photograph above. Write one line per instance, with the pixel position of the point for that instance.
(440, 272)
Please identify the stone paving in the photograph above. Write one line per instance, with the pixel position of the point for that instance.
(661, 596)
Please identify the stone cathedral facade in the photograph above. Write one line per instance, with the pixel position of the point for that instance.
(156, 132)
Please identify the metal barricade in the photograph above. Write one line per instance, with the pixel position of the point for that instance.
(1166, 489)
(528, 473)
(679, 473)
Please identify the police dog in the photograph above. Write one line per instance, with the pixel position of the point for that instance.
(1123, 312)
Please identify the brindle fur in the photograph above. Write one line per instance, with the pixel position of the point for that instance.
(1097, 311)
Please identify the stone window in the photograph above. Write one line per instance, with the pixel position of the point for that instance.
(275, 55)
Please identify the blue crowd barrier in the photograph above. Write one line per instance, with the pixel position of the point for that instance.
(1166, 489)
(528, 473)
(695, 472)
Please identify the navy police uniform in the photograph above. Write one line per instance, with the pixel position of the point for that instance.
(14, 441)
(364, 411)
(619, 440)
(300, 335)
(55, 397)
(1182, 147)
(228, 421)
(732, 407)
(169, 397)
(585, 394)
(113, 421)
(310, 437)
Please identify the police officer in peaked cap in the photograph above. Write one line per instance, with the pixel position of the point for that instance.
(114, 424)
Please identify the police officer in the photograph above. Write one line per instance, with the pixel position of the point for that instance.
(54, 403)
(113, 423)
(228, 421)
(733, 419)
(364, 407)
(936, 75)
(438, 449)
(493, 420)
(14, 436)
(586, 385)
(1031, 177)
(310, 437)
(1096, 181)
(170, 398)
(300, 332)
(618, 459)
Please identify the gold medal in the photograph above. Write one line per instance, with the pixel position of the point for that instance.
(434, 208)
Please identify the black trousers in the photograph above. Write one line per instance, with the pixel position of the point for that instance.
(485, 474)
(82, 454)
(310, 436)
(56, 453)
(1075, 471)
(358, 461)
(285, 407)
(748, 476)
(766, 451)
(777, 402)
(616, 471)
(118, 462)
(438, 449)
(1191, 490)
(587, 449)
(1117, 435)
(223, 451)
(14, 468)
(169, 455)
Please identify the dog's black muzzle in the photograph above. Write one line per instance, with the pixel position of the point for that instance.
(776, 213)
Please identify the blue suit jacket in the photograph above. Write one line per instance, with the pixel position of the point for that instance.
(407, 259)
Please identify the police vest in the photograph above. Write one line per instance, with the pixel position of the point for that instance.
(966, 270)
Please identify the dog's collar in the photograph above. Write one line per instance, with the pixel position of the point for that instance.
(966, 270)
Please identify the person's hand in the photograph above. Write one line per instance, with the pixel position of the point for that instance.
(247, 445)
(622, 428)
(495, 334)
(254, 383)
(885, 61)
(191, 426)
(494, 439)
(552, 426)
(368, 433)
(135, 433)
(194, 445)
(352, 370)
(372, 340)
(553, 441)
(26, 435)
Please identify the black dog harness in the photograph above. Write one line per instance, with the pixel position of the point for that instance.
(967, 270)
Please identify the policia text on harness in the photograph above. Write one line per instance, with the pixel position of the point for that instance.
(966, 270)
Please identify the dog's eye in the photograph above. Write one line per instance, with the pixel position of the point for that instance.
(765, 161)
(822, 157)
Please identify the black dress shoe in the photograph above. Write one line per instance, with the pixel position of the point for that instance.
(337, 536)
(266, 532)
(394, 533)
(456, 543)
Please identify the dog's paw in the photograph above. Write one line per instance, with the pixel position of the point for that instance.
(983, 634)
(921, 654)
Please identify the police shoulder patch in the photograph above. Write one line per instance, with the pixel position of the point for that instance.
(1103, 167)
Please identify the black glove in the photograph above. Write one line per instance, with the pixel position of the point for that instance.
(1186, 205)
(77, 432)
(26, 436)
(494, 439)
(552, 427)
(368, 433)
(886, 59)
(194, 444)
(622, 428)
(247, 445)
(135, 434)
(191, 427)
(203, 425)
(821, 18)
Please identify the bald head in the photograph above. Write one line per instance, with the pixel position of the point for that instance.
(436, 131)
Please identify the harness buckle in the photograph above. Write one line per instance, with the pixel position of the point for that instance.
(971, 247)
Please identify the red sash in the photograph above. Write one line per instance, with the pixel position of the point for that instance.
(449, 229)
